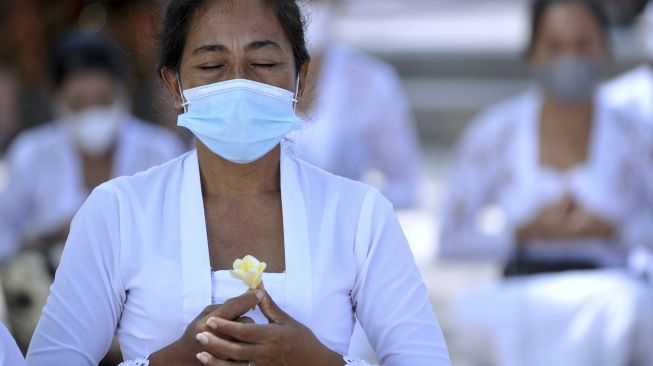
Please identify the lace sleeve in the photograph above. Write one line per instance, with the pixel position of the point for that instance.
(479, 170)
(143, 361)
(355, 361)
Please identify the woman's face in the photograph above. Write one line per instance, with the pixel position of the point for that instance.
(235, 40)
(568, 30)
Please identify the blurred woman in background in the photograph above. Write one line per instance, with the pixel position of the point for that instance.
(53, 168)
(562, 168)
(360, 122)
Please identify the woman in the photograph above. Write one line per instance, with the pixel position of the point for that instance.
(148, 256)
(9, 353)
(562, 168)
(359, 117)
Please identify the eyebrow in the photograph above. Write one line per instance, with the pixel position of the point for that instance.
(256, 45)
(210, 48)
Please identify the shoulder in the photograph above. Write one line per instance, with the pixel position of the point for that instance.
(640, 76)
(498, 120)
(365, 69)
(630, 91)
(37, 139)
(151, 184)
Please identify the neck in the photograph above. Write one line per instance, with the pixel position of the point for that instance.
(91, 158)
(565, 112)
(224, 179)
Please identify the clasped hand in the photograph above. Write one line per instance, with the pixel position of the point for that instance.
(222, 336)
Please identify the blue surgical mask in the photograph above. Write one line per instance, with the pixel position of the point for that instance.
(239, 120)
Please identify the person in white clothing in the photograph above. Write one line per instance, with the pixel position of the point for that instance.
(563, 170)
(53, 168)
(9, 353)
(359, 121)
(149, 256)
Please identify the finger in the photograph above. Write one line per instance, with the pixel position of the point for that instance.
(208, 359)
(238, 306)
(222, 348)
(250, 333)
(212, 326)
(245, 320)
(271, 310)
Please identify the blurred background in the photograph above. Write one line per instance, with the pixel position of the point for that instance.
(455, 58)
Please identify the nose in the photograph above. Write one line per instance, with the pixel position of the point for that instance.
(239, 69)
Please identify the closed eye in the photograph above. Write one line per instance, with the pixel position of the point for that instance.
(266, 66)
(211, 67)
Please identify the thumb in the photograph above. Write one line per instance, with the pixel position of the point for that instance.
(270, 309)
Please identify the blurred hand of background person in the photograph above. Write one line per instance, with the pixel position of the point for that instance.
(564, 220)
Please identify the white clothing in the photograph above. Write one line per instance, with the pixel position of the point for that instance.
(498, 163)
(137, 264)
(361, 123)
(632, 92)
(632, 95)
(587, 318)
(9, 353)
(46, 186)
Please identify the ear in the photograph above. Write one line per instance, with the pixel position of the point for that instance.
(303, 80)
(172, 83)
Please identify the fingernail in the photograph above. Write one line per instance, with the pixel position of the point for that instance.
(202, 358)
(212, 323)
(202, 338)
(259, 295)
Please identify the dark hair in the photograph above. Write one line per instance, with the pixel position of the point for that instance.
(77, 51)
(540, 7)
(179, 13)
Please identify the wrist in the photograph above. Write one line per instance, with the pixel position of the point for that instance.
(330, 358)
(327, 357)
(170, 355)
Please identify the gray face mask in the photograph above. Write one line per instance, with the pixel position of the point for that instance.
(569, 80)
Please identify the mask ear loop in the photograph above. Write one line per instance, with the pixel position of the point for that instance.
(184, 103)
(295, 99)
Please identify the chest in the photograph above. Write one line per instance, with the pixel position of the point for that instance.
(246, 227)
(564, 146)
(96, 170)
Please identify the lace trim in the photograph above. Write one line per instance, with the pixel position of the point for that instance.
(355, 361)
(138, 362)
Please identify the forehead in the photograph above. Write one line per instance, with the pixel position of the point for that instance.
(568, 20)
(88, 81)
(231, 21)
